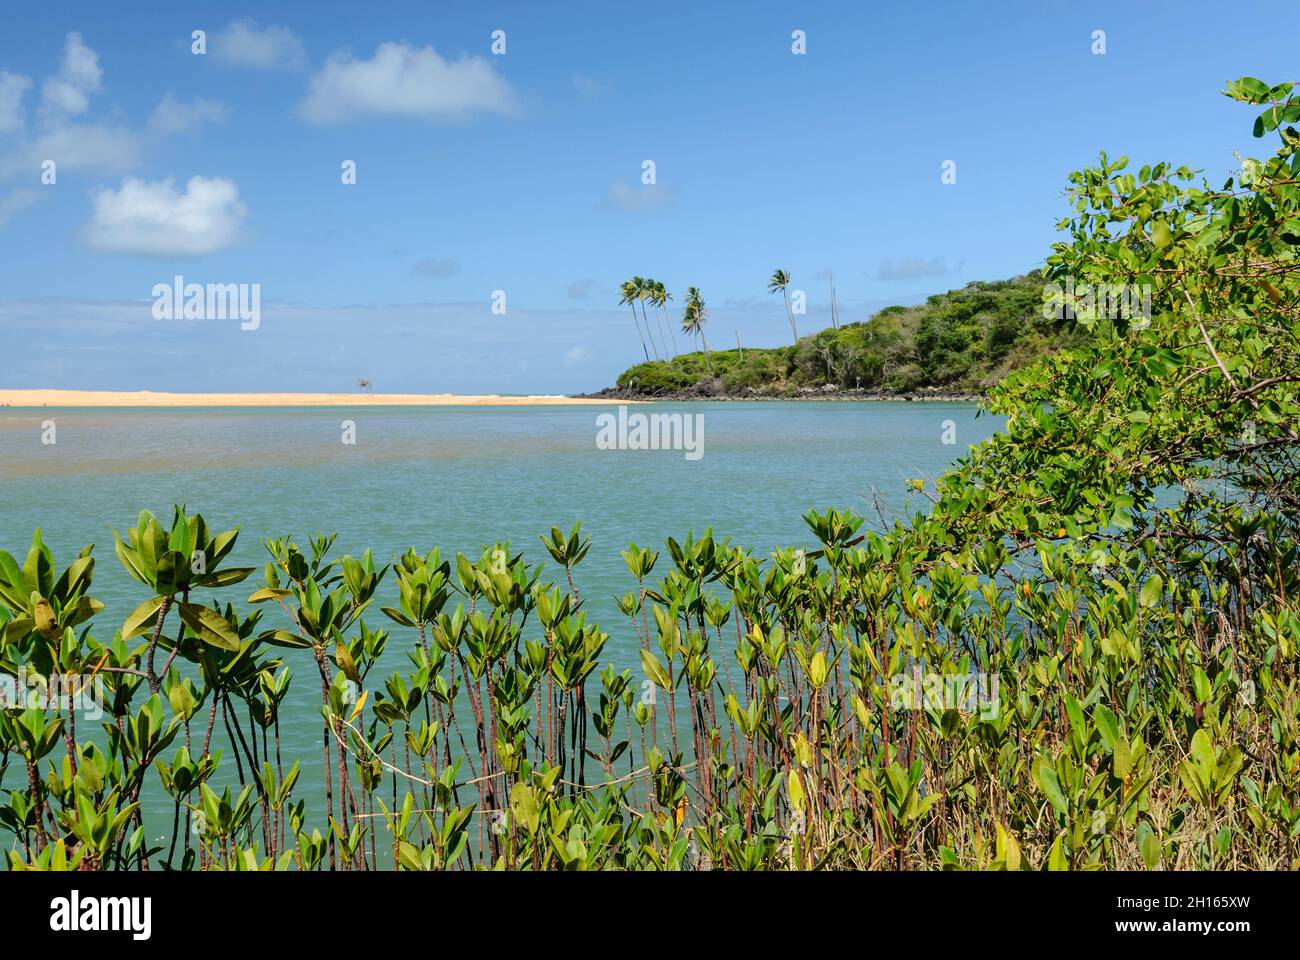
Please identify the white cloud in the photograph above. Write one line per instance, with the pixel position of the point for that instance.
(12, 88)
(71, 143)
(244, 44)
(576, 356)
(15, 203)
(176, 116)
(67, 93)
(75, 146)
(157, 219)
(403, 81)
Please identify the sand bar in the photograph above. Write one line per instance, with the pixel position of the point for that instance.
(148, 398)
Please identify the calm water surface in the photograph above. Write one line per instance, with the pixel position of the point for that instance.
(454, 477)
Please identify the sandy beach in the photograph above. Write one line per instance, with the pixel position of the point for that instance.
(148, 398)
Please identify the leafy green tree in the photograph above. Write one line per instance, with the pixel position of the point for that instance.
(1199, 397)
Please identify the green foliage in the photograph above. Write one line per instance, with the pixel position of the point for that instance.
(962, 341)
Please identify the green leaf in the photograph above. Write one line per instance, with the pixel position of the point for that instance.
(1223, 840)
(1248, 89)
(1008, 850)
(1123, 758)
(224, 578)
(1192, 782)
(1105, 719)
(283, 638)
(39, 568)
(345, 663)
(1200, 685)
(14, 589)
(131, 560)
(1050, 784)
(1151, 591)
(142, 618)
(210, 626)
(1149, 845)
(1057, 859)
(523, 807)
(1203, 751)
(655, 670)
(797, 797)
(15, 630)
(393, 614)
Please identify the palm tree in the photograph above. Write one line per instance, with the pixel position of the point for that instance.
(662, 296)
(628, 291)
(780, 280)
(693, 319)
(650, 295)
(642, 287)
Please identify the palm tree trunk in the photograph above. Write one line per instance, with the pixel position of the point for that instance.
(649, 332)
(638, 334)
(669, 325)
(662, 342)
(790, 314)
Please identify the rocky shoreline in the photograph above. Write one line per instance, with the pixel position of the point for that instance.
(715, 391)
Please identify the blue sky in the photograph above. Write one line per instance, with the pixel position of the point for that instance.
(522, 172)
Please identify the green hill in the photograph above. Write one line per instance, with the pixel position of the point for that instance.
(960, 342)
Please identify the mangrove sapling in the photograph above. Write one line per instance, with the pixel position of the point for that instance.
(328, 596)
(173, 563)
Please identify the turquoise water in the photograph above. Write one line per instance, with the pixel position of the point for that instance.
(454, 477)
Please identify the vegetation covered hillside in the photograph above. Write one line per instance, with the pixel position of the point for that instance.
(963, 341)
